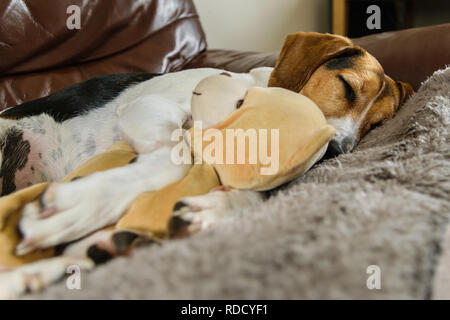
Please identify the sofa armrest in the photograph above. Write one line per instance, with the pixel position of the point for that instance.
(409, 55)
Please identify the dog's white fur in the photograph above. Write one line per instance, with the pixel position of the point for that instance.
(349, 127)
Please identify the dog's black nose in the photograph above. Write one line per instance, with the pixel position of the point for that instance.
(336, 147)
(347, 144)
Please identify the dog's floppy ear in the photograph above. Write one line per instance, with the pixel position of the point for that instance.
(406, 90)
(302, 54)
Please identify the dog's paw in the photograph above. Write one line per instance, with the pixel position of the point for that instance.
(38, 275)
(194, 214)
(103, 245)
(68, 211)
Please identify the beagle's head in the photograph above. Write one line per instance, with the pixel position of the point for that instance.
(345, 81)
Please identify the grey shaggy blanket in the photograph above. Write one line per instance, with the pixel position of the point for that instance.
(386, 204)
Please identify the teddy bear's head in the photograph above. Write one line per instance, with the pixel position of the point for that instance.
(215, 97)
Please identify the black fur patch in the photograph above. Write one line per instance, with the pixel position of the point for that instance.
(98, 255)
(18, 231)
(176, 224)
(344, 61)
(15, 151)
(122, 240)
(133, 160)
(78, 98)
(179, 205)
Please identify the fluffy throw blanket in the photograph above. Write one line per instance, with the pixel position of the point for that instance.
(385, 205)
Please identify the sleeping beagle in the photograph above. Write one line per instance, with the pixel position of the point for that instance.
(43, 140)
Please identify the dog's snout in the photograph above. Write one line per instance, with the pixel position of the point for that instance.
(336, 147)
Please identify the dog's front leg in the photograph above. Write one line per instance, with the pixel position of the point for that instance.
(194, 214)
(68, 211)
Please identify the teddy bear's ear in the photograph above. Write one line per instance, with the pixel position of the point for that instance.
(302, 54)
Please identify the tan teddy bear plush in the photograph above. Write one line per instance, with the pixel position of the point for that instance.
(274, 136)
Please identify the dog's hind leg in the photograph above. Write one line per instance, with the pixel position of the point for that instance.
(37, 275)
(103, 245)
(77, 257)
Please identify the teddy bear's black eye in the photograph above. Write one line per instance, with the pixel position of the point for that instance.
(239, 103)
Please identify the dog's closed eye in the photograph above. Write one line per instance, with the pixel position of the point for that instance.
(349, 92)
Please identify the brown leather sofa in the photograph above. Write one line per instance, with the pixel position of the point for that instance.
(40, 55)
